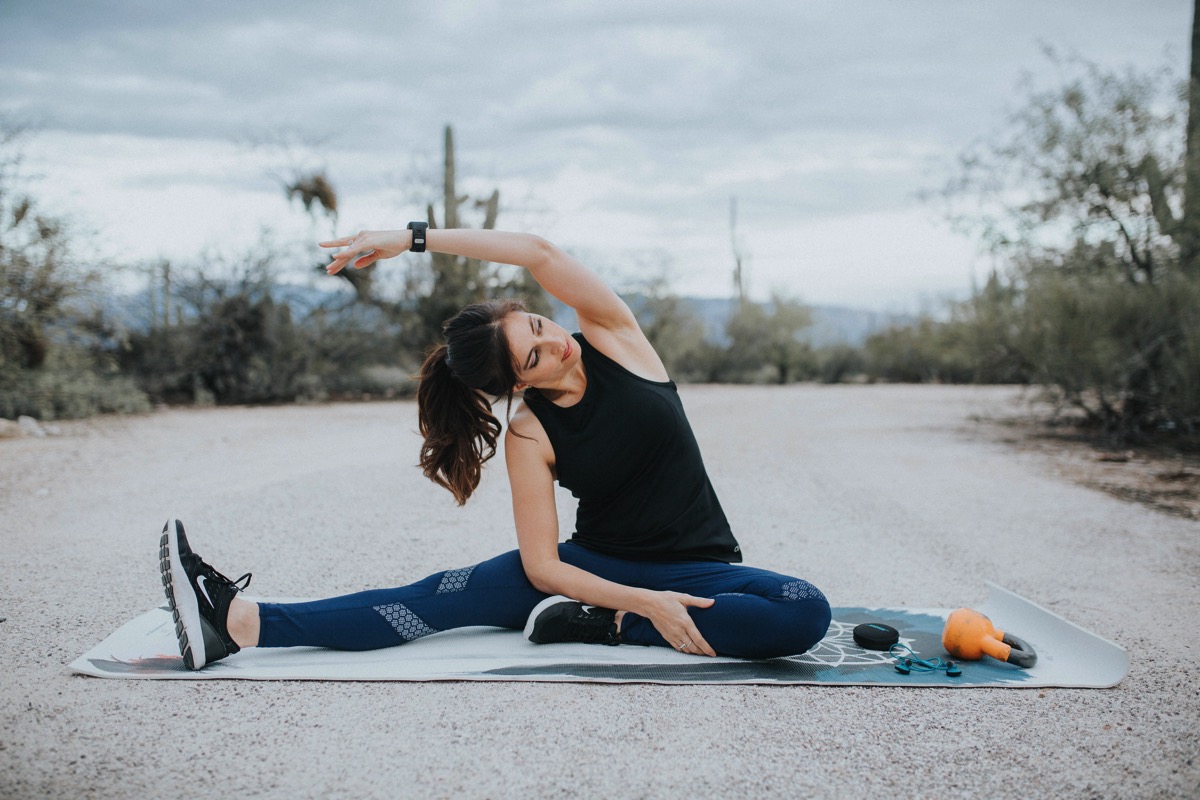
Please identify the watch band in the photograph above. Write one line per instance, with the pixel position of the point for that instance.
(418, 236)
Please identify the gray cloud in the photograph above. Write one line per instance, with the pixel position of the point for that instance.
(799, 108)
(665, 71)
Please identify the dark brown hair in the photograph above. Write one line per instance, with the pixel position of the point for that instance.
(455, 382)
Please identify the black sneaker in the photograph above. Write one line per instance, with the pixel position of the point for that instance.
(199, 597)
(561, 619)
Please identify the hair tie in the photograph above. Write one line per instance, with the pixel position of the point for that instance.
(450, 365)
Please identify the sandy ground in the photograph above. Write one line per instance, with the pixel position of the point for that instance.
(880, 495)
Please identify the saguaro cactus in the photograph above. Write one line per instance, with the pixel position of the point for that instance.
(458, 281)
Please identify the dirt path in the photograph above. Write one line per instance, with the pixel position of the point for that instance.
(880, 495)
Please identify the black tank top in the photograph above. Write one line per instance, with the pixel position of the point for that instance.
(627, 452)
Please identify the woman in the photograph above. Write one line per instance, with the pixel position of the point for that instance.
(652, 560)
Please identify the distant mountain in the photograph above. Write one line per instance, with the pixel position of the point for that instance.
(841, 325)
(131, 310)
(831, 324)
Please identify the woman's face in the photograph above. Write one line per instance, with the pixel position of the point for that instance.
(542, 351)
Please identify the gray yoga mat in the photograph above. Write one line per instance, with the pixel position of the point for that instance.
(1068, 656)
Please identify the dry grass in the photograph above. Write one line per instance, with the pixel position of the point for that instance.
(1161, 476)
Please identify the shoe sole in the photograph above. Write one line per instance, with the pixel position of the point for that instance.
(184, 608)
(539, 608)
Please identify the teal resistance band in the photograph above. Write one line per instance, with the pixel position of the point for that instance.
(907, 661)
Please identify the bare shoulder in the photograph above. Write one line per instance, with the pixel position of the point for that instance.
(526, 434)
(522, 420)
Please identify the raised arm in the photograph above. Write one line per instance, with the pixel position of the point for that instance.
(603, 316)
(558, 273)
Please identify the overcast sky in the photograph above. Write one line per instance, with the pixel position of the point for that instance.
(618, 130)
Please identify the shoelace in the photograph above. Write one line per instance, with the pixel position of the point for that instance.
(212, 574)
(590, 626)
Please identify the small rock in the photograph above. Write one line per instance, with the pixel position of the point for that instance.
(10, 429)
(31, 426)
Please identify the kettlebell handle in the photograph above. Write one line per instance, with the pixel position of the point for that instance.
(1020, 654)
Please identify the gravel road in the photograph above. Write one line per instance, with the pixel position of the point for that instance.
(881, 495)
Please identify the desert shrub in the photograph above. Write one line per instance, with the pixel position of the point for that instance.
(982, 336)
(1127, 355)
(920, 353)
(243, 349)
(230, 341)
(704, 362)
(56, 358)
(247, 350)
(1087, 200)
(240, 340)
(357, 350)
(766, 344)
(840, 362)
(69, 386)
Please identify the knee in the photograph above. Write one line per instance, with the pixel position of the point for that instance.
(804, 623)
(819, 616)
(797, 617)
(797, 589)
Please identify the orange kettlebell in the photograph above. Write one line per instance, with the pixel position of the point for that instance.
(970, 635)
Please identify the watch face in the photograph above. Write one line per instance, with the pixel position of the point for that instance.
(418, 235)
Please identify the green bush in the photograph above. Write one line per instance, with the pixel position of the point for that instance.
(1126, 354)
(1084, 196)
(239, 346)
(68, 386)
(926, 352)
(233, 341)
(55, 346)
(766, 344)
(840, 363)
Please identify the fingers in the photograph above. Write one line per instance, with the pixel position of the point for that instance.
(693, 644)
(350, 254)
(338, 263)
(367, 260)
(684, 635)
(365, 248)
(340, 260)
(698, 645)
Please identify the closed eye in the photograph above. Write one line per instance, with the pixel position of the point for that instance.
(537, 356)
(532, 360)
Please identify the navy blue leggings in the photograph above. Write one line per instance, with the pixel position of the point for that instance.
(757, 613)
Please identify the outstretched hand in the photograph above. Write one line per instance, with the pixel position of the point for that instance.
(367, 247)
(667, 611)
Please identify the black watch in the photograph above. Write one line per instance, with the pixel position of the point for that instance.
(418, 237)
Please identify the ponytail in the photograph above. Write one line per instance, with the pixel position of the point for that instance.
(452, 397)
(458, 425)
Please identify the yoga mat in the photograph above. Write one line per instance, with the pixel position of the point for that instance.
(1068, 656)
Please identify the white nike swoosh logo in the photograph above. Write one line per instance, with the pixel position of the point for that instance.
(200, 581)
